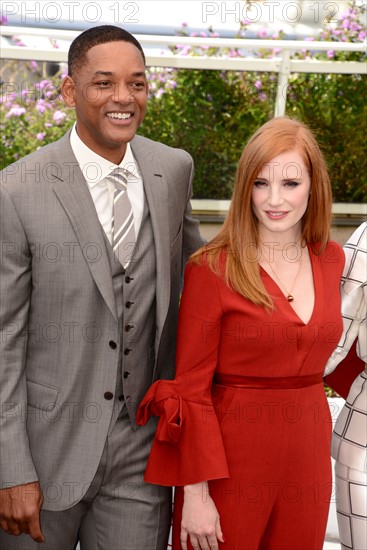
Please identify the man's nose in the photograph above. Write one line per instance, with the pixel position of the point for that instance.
(123, 94)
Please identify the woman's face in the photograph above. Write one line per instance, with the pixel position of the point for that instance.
(280, 195)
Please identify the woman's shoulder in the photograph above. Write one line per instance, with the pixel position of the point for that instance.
(206, 268)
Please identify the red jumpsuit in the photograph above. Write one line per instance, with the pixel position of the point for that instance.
(247, 409)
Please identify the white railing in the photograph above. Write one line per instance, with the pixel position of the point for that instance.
(281, 64)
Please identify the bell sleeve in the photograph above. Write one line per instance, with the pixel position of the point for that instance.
(188, 446)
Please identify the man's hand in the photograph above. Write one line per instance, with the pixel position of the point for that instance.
(20, 508)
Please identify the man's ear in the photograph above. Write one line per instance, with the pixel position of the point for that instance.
(68, 91)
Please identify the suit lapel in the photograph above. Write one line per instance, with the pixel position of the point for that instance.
(156, 192)
(74, 195)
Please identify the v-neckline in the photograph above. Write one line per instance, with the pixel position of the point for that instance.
(316, 282)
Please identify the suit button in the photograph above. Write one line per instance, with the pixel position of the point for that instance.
(126, 374)
(108, 395)
(123, 271)
(112, 344)
(121, 397)
(128, 327)
(127, 351)
(128, 279)
(129, 304)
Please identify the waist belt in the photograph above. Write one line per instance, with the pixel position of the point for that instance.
(268, 383)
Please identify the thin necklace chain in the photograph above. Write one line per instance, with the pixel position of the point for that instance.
(288, 294)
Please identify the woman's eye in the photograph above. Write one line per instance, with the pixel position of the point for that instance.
(292, 183)
(259, 183)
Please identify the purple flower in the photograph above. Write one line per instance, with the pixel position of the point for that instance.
(44, 84)
(41, 106)
(171, 84)
(185, 50)
(16, 110)
(18, 41)
(262, 96)
(184, 24)
(258, 84)
(3, 20)
(59, 117)
(309, 38)
(346, 24)
(330, 54)
(263, 33)
(48, 125)
(362, 35)
(40, 136)
(354, 26)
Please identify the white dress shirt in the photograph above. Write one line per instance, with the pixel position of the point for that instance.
(349, 443)
(354, 299)
(95, 170)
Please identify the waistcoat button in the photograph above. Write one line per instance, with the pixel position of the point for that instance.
(112, 344)
(108, 395)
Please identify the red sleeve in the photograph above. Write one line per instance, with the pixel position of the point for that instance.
(188, 445)
(341, 379)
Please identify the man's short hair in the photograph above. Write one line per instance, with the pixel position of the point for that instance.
(93, 37)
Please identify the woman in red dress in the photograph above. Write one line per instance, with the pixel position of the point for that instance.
(244, 431)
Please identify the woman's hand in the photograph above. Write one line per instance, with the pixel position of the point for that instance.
(200, 519)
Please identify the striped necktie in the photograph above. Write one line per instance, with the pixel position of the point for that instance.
(123, 231)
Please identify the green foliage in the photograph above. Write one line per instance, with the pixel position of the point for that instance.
(32, 117)
(334, 107)
(211, 115)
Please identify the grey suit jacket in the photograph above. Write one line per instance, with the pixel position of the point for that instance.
(58, 312)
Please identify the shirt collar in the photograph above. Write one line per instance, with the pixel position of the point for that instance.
(94, 167)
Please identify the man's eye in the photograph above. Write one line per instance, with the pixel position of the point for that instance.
(104, 84)
(138, 85)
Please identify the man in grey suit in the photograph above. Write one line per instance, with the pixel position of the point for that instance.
(85, 333)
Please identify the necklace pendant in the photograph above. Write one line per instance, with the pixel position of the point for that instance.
(290, 298)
